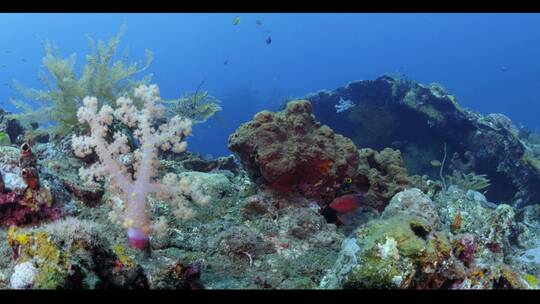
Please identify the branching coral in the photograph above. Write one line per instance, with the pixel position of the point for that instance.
(101, 77)
(133, 188)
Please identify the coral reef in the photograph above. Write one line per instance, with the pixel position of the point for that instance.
(11, 127)
(290, 151)
(383, 174)
(133, 187)
(410, 246)
(400, 113)
(69, 254)
(268, 225)
(30, 204)
(289, 248)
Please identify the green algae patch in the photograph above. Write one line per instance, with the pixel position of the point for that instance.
(394, 253)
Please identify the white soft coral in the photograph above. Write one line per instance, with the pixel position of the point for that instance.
(132, 188)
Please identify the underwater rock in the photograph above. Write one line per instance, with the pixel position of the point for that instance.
(243, 242)
(32, 202)
(23, 276)
(400, 252)
(410, 246)
(384, 175)
(286, 248)
(194, 162)
(527, 231)
(167, 273)
(73, 254)
(215, 185)
(290, 151)
(91, 196)
(9, 166)
(346, 260)
(256, 206)
(37, 197)
(199, 164)
(33, 138)
(491, 228)
(60, 168)
(413, 202)
(10, 126)
(229, 163)
(304, 224)
(420, 120)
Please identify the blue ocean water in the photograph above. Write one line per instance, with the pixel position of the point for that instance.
(489, 61)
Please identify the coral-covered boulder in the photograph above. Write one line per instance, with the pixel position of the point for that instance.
(491, 225)
(399, 252)
(70, 254)
(424, 122)
(11, 126)
(415, 202)
(292, 152)
(9, 166)
(383, 174)
(409, 247)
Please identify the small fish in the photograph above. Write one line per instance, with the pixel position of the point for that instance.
(258, 22)
(8, 52)
(23, 60)
(226, 62)
(344, 209)
(435, 163)
(236, 20)
(3, 66)
(504, 69)
(268, 40)
(347, 203)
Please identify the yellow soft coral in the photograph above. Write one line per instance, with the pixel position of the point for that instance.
(101, 77)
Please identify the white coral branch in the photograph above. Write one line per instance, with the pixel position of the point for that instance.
(133, 188)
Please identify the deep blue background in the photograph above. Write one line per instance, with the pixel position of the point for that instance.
(490, 61)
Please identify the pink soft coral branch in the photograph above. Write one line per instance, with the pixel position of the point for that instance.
(133, 189)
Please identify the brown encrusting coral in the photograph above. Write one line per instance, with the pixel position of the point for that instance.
(383, 174)
(291, 151)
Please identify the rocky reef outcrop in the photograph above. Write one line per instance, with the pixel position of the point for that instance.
(70, 254)
(415, 245)
(10, 126)
(290, 151)
(424, 122)
(383, 174)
